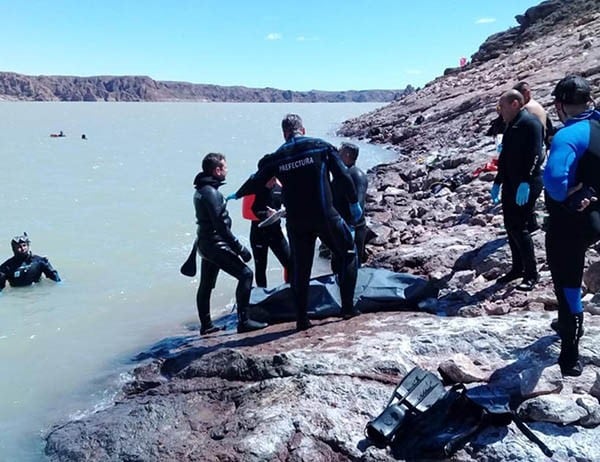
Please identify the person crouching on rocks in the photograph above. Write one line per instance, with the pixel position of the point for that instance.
(218, 247)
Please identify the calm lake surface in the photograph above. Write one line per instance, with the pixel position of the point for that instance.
(114, 214)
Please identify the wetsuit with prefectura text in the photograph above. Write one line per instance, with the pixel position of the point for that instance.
(217, 246)
(519, 162)
(303, 165)
(574, 159)
(25, 270)
(267, 237)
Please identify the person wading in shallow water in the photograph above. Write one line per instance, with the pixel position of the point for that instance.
(303, 165)
(218, 247)
(25, 268)
(520, 180)
(572, 183)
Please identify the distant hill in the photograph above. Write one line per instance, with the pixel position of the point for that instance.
(19, 87)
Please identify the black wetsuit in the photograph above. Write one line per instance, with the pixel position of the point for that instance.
(218, 247)
(519, 162)
(361, 182)
(19, 271)
(267, 237)
(574, 158)
(303, 165)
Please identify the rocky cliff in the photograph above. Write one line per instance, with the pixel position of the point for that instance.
(278, 395)
(18, 87)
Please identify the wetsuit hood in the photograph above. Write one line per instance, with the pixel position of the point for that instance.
(16, 242)
(204, 179)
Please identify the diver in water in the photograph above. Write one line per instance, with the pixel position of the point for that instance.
(25, 268)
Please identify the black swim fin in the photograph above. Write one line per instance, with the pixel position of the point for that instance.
(189, 266)
(417, 392)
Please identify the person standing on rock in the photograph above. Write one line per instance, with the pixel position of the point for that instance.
(572, 183)
(267, 201)
(518, 184)
(536, 109)
(349, 155)
(531, 105)
(303, 165)
(218, 247)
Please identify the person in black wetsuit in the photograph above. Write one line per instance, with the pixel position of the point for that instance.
(572, 183)
(536, 109)
(266, 202)
(218, 247)
(25, 268)
(349, 154)
(303, 165)
(520, 178)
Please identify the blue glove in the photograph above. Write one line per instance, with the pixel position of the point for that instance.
(231, 196)
(495, 193)
(356, 211)
(522, 194)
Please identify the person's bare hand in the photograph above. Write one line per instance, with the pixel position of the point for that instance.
(584, 202)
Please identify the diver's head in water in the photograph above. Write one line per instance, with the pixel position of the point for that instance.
(20, 245)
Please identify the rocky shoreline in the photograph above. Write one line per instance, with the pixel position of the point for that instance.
(279, 395)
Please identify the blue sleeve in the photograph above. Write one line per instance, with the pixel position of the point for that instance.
(567, 147)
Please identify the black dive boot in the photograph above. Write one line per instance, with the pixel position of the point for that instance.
(207, 327)
(245, 324)
(570, 333)
(302, 322)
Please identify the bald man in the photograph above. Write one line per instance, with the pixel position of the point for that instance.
(519, 184)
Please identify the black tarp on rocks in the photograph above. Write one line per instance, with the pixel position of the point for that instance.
(377, 289)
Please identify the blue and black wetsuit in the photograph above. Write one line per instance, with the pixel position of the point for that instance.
(574, 159)
(218, 247)
(361, 182)
(303, 165)
(267, 237)
(519, 162)
(22, 271)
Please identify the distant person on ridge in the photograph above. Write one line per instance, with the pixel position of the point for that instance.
(218, 247)
(303, 165)
(349, 155)
(520, 184)
(572, 183)
(267, 201)
(25, 268)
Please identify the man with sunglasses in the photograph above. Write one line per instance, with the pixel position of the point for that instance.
(25, 268)
(572, 182)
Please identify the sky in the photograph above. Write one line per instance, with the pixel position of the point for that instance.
(295, 45)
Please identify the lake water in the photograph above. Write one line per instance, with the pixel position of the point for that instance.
(114, 215)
